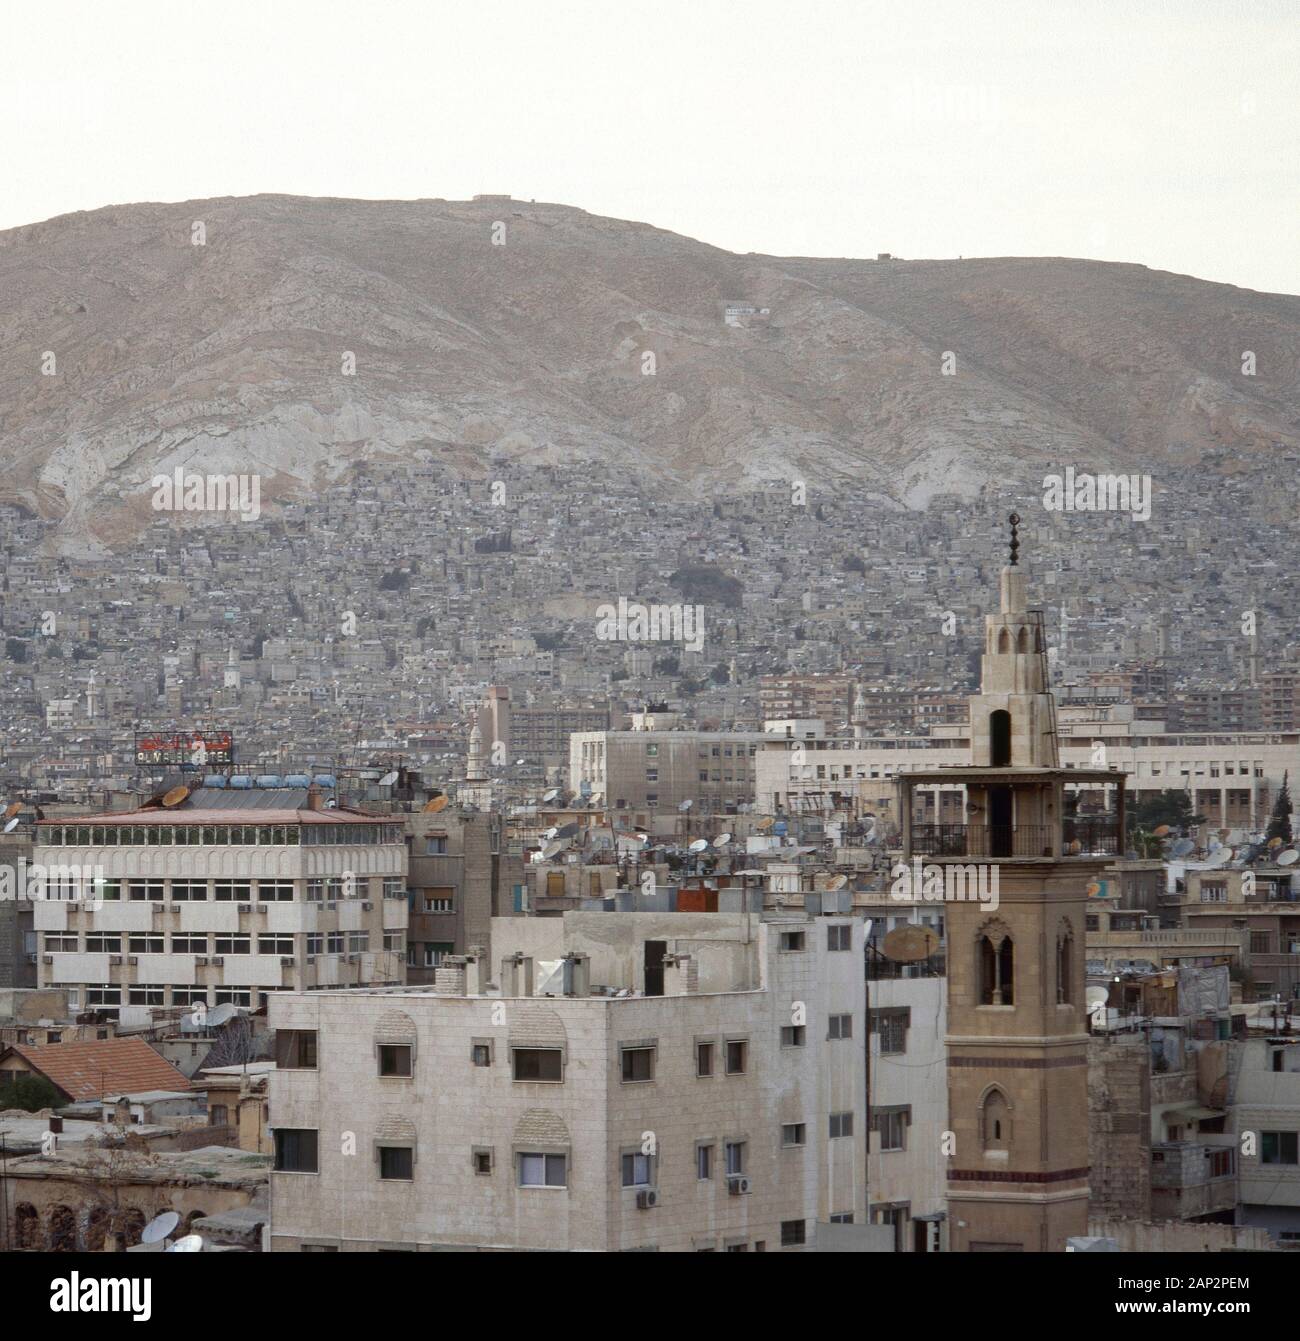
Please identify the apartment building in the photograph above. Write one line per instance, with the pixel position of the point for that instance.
(658, 770)
(637, 1082)
(1267, 1108)
(225, 898)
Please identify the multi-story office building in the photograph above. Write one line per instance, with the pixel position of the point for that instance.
(225, 898)
(658, 770)
(717, 1105)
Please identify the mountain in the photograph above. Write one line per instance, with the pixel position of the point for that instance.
(228, 357)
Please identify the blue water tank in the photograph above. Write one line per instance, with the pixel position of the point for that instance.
(215, 780)
(269, 780)
(324, 779)
(241, 782)
(297, 780)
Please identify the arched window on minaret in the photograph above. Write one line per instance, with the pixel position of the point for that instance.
(1022, 640)
(1004, 641)
(1000, 738)
(996, 967)
(995, 1121)
(1064, 965)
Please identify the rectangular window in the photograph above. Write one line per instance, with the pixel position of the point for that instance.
(537, 1063)
(144, 943)
(704, 1161)
(537, 1170)
(792, 942)
(315, 943)
(103, 942)
(792, 1035)
(1279, 1147)
(189, 943)
(60, 944)
(793, 1233)
(334, 943)
(234, 945)
(839, 937)
(394, 1059)
(735, 1153)
(275, 891)
(233, 891)
(435, 845)
(637, 1171)
(841, 1124)
(295, 1150)
(145, 890)
(233, 996)
(892, 1127)
(482, 1161)
(704, 1059)
(842, 1218)
(481, 1054)
(396, 1163)
(737, 1056)
(840, 1026)
(794, 1133)
(638, 1064)
(142, 994)
(295, 1049)
(891, 1025)
(275, 945)
(189, 891)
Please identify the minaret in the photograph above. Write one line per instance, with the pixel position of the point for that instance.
(859, 711)
(230, 676)
(474, 760)
(1036, 835)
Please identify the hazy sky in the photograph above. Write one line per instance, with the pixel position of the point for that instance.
(1124, 130)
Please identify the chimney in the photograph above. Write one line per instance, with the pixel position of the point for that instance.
(577, 975)
(313, 797)
(517, 975)
(449, 976)
(56, 1123)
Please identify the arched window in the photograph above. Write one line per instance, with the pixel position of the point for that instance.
(1022, 640)
(63, 1230)
(1000, 738)
(28, 1226)
(1004, 641)
(995, 1121)
(1064, 966)
(996, 970)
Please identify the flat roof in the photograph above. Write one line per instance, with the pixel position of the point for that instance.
(974, 773)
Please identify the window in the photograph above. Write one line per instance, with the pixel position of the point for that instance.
(482, 1160)
(233, 891)
(142, 890)
(793, 1233)
(103, 942)
(891, 1124)
(142, 994)
(996, 971)
(840, 1026)
(995, 1121)
(394, 941)
(60, 944)
(842, 1218)
(737, 1056)
(841, 1124)
(704, 1161)
(435, 845)
(358, 941)
(275, 891)
(436, 951)
(537, 1170)
(234, 945)
(440, 903)
(1278, 1147)
(891, 1025)
(1064, 968)
(218, 1115)
(139, 943)
(233, 996)
(334, 943)
(638, 1170)
(792, 942)
(396, 1163)
(295, 1049)
(704, 1059)
(295, 1150)
(1261, 942)
(394, 1059)
(638, 1064)
(792, 1035)
(794, 1133)
(190, 943)
(189, 891)
(275, 945)
(538, 1063)
(839, 937)
(481, 1054)
(735, 1153)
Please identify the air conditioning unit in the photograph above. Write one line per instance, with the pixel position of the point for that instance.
(47, 959)
(115, 959)
(737, 1185)
(245, 907)
(311, 959)
(331, 905)
(259, 907)
(286, 961)
(367, 907)
(219, 961)
(200, 959)
(647, 1198)
(131, 959)
(354, 959)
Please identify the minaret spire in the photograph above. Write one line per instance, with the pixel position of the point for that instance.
(1014, 519)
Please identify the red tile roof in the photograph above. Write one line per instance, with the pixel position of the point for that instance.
(105, 1066)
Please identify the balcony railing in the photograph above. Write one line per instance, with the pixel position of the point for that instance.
(1079, 838)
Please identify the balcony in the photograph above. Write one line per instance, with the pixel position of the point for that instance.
(1080, 837)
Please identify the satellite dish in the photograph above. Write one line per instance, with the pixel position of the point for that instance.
(159, 1227)
(566, 830)
(550, 833)
(11, 825)
(1220, 857)
(722, 840)
(1288, 858)
(520, 762)
(12, 809)
(220, 1014)
(1182, 847)
(765, 824)
(1096, 996)
(191, 1243)
(1161, 831)
(839, 882)
(1094, 888)
(175, 796)
(1274, 843)
(438, 803)
(699, 845)
(550, 796)
(388, 779)
(906, 945)
(685, 806)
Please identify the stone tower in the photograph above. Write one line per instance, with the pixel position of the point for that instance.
(1015, 879)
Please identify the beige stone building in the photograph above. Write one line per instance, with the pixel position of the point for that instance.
(637, 1081)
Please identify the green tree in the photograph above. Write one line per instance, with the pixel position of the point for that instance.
(1170, 807)
(30, 1093)
(1279, 824)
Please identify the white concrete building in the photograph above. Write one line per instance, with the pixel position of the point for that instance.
(727, 1114)
(224, 898)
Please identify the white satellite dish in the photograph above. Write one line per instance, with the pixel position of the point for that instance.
(722, 840)
(1219, 857)
(1182, 847)
(159, 1227)
(1097, 996)
(191, 1243)
(550, 833)
(551, 795)
(1288, 858)
(388, 779)
(699, 845)
(553, 850)
(220, 1014)
(685, 805)
(11, 825)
